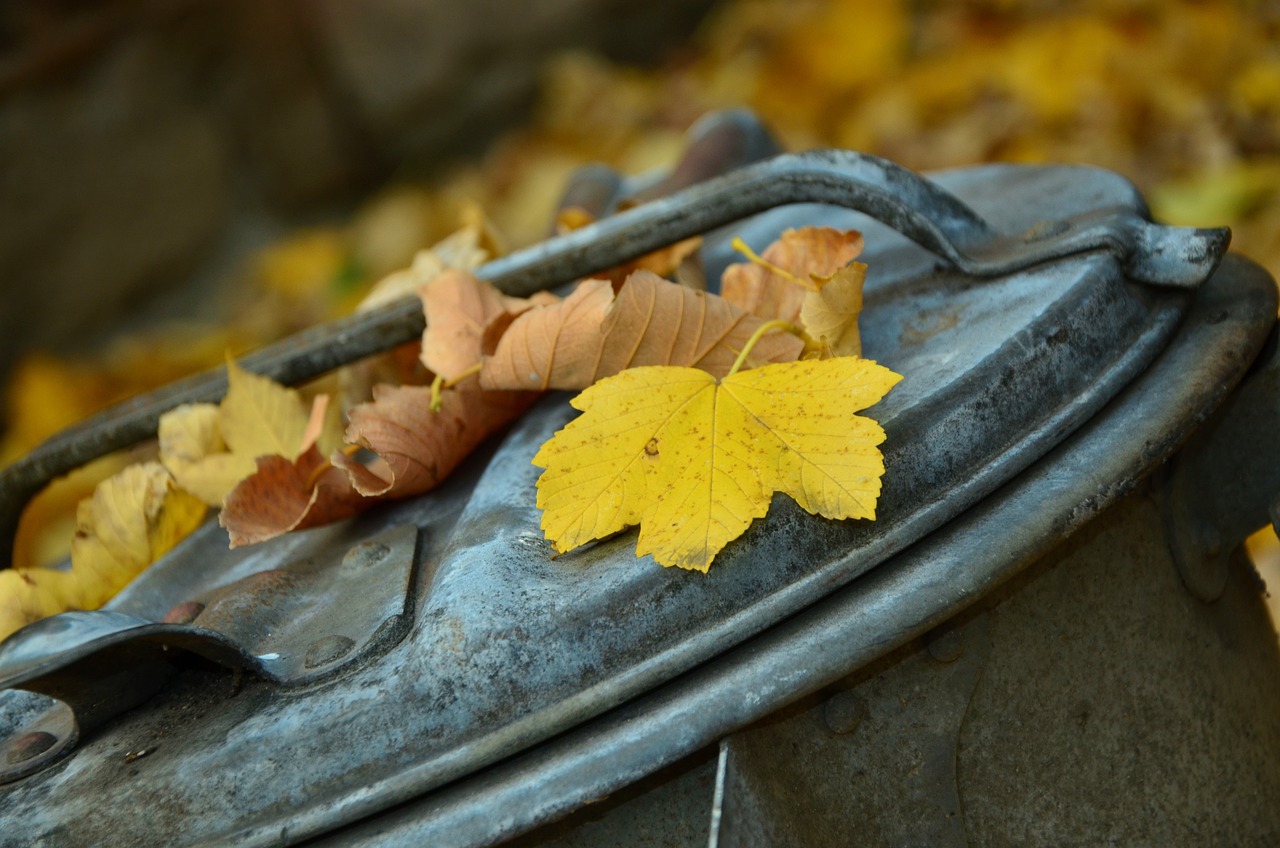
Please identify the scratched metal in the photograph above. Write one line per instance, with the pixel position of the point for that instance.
(510, 647)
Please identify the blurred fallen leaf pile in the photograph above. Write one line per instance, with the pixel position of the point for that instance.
(1182, 97)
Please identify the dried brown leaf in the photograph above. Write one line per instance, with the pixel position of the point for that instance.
(594, 334)
(460, 310)
(800, 255)
(416, 450)
(284, 495)
(420, 448)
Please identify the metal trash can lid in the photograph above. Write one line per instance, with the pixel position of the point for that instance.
(428, 640)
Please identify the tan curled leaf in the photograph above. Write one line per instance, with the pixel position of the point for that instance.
(461, 312)
(419, 448)
(324, 428)
(796, 258)
(830, 315)
(566, 332)
(593, 334)
(464, 250)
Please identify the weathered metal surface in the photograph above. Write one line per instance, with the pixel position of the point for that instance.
(37, 731)
(1088, 703)
(292, 625)
(1220, 486)
(890, 779)
(1115, 709)
(512, 647)
(667, 809)
(904, 598)
(1101, 212)
(268, 622)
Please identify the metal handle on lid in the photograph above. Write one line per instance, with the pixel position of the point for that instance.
(916, 207)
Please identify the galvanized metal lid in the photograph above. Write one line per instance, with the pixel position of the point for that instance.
(391, 655)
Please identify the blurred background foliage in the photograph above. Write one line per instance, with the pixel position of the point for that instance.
(1181, 97)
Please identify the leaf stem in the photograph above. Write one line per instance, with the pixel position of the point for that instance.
(741, 246)
(439, 384)
(349, 450)
(776, 324)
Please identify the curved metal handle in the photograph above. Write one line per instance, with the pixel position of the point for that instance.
(911, 204)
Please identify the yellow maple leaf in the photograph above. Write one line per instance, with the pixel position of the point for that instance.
(830, 314)
(694, 460)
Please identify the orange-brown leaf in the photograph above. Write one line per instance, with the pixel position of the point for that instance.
(804, 253)
(284, 495)
(593, 334)
(419, 448)
(416, 450)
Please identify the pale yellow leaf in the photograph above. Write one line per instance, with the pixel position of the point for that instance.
(259, 417)
(830, 315)
(191, 447)
(27, 595)
(591, 492)
(133, 519)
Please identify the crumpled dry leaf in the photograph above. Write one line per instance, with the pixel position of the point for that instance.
(416, 450)
(694, 460)
(209, 449)
(462, 311)
(593, 334)
(132, 519)
(797, 257)
(324, 427)
(830, 315)
(420, 448)
(464, 250)
(284, 495)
